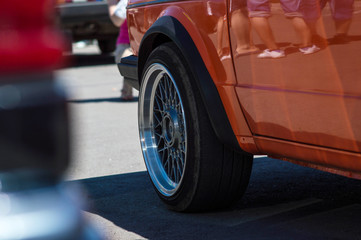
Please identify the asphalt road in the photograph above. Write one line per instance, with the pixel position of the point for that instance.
(283, 200)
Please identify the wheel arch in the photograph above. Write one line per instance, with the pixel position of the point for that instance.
(168, 28)
(150, 41)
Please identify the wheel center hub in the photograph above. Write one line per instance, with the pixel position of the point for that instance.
(171, 128)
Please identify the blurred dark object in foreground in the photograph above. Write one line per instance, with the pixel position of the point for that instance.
(34, 131)
(33, 125)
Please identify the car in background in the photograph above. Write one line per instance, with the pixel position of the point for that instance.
(210, 99)
(87, 20)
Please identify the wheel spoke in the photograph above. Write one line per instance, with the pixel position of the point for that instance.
(158, 121)
(159, 96)
(169, 160)
(163, 149)
(181, 159)
(174, 171)
(170, 91)
(182, 148)
(159, 105)
(163, 87)
(158, 135)
(159, 141)
(175, 98)
(166, 163)
(179, 166)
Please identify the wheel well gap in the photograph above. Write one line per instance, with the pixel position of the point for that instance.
(150, 43)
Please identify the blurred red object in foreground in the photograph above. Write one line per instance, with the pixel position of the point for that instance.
(28, 39)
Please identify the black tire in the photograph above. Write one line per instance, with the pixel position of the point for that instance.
(177, 135)
(107, 46)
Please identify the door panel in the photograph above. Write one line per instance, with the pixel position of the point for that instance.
(313, 99)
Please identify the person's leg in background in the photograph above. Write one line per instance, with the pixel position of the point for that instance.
(259, 12)
(123, 50)
(311, 10)
(342, 12)
(293, 11)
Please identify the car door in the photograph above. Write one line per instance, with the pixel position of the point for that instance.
(313, 99)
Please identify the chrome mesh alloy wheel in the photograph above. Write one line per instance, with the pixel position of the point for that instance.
(162, 129)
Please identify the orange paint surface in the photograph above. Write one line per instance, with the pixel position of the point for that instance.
(300, 107)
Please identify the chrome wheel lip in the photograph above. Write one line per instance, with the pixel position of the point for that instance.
(147, 95)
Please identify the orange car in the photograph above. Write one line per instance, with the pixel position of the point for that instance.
(221, 81)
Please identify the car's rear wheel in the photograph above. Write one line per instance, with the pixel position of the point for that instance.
(189, 167)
